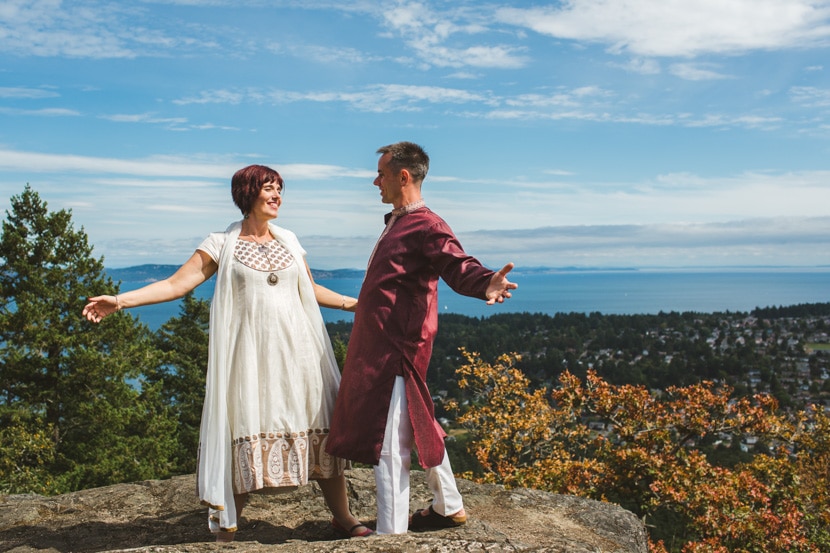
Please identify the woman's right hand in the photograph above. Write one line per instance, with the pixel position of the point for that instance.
(194, 272)
(100, 307)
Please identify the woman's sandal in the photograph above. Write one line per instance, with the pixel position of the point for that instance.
(225, 536)
(351, 532)
(428, 518)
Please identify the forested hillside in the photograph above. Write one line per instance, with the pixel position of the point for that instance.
(767, 350)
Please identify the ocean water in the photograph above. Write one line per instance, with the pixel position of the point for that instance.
(608, 292)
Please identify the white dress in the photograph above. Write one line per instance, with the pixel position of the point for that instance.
(281, 384)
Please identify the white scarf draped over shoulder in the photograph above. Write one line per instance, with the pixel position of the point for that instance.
(214, 472)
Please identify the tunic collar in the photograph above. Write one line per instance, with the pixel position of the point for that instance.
(403, 210)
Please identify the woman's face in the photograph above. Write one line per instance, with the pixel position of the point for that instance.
(268, 202)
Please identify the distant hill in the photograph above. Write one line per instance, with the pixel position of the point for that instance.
(142, 273)
(152, 273)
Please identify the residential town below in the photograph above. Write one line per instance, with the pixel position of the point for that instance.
(784, 352)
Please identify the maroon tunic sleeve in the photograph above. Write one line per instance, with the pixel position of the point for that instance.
(463, 273)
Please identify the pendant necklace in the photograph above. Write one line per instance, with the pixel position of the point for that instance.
(272, 278)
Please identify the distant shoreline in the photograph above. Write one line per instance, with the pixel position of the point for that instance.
(152, 272)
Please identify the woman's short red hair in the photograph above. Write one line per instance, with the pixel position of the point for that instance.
(247, 183)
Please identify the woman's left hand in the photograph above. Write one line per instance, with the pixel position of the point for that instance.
(100, 307)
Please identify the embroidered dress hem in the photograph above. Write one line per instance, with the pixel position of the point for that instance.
(282, 460)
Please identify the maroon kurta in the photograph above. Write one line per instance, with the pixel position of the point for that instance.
(394, 327)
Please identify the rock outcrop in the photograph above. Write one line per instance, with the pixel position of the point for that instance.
(163, 516)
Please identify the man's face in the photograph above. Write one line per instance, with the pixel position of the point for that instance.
(388, 182)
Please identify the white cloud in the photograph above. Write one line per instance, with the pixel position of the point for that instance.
(143, 118)
(42, 112)
(665, 198)
(726, 120)
(51, 28)
(695, 72)
(778, 213)
(28, 93)
(571, 98)
(213, 97)
(428, 32)
(307, 171)
(374, 98)
(464, 75)
(681, 28)
(643, 66)
(160, 183)
(206, 166)
(177, 208)
(530, 108)
(585, 103)
(328, 55)
(798, 241)
(499, 57)
(178, 124)
(801, 242)
(155, 166)
(88, 29)
(810, 96)
(430, 94)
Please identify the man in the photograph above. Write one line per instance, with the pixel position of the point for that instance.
(383, 402)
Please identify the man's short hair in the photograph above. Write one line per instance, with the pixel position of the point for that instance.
(409, 156)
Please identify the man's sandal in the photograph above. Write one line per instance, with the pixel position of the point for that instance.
(351, 532)
(428, 518)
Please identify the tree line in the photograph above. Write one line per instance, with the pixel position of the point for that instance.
(649, 411)
(82, 405)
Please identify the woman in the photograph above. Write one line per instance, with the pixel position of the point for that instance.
(272, 378)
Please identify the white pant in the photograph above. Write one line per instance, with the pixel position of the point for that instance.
(392, 471)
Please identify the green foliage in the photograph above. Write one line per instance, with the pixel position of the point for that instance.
(26, 452)
(181, 377)
(61, 373)
(339, 347)
(339, 333)
(799, 310)
(644, 451)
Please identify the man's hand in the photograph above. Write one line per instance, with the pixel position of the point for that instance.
(499, 288)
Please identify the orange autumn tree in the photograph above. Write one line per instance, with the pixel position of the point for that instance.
(640, 449)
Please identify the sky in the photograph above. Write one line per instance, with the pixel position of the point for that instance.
(582, 133)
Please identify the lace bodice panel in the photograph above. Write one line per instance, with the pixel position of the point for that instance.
(269, 256)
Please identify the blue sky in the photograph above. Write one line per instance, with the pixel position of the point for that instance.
(588, 133)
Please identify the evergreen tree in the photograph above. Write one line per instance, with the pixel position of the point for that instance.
(340, 348)
(184, 341)
(83, 383)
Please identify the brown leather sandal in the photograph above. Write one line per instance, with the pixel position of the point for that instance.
(422, 521)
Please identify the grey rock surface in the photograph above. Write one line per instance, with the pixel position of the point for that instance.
(164, 516)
